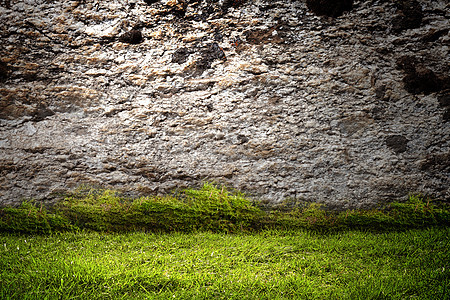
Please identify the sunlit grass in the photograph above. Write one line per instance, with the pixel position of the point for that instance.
(412, 264)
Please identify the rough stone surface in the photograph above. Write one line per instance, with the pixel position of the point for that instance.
(263, 96)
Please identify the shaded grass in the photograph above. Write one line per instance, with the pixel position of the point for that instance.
(210, 208)
(270, 264)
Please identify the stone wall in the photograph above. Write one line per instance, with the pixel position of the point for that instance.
(263, 96)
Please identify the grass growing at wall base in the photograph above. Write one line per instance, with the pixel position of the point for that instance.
(210, 208)
(30, 219)
(214, 244)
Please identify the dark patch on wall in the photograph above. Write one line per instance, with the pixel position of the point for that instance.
(131, 37)
(209, 54)
(418, 78)
(409, 16)
(4, 71)
(444, 99)
(242, 139)
(437, 162)
(446, 115)
(232, 3)
(397, 143)
(407, 63)
(180, 55)
(433, 35)
(444, 102)
(422, 80)
(380, 92)
(330, 8)
(149, 2)
(41, 112)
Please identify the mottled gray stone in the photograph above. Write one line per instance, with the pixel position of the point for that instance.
(263, 96)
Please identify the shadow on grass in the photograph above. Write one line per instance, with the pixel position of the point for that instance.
(210, 208)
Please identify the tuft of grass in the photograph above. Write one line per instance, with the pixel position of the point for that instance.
(416, 212)
(211, 208)
(30, 218)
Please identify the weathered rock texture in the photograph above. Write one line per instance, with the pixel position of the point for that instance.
(263, 96)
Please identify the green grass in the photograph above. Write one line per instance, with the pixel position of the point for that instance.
(210, 208)
(212, 243)
(270, 264)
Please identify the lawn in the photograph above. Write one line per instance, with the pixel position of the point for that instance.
(268, 264)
